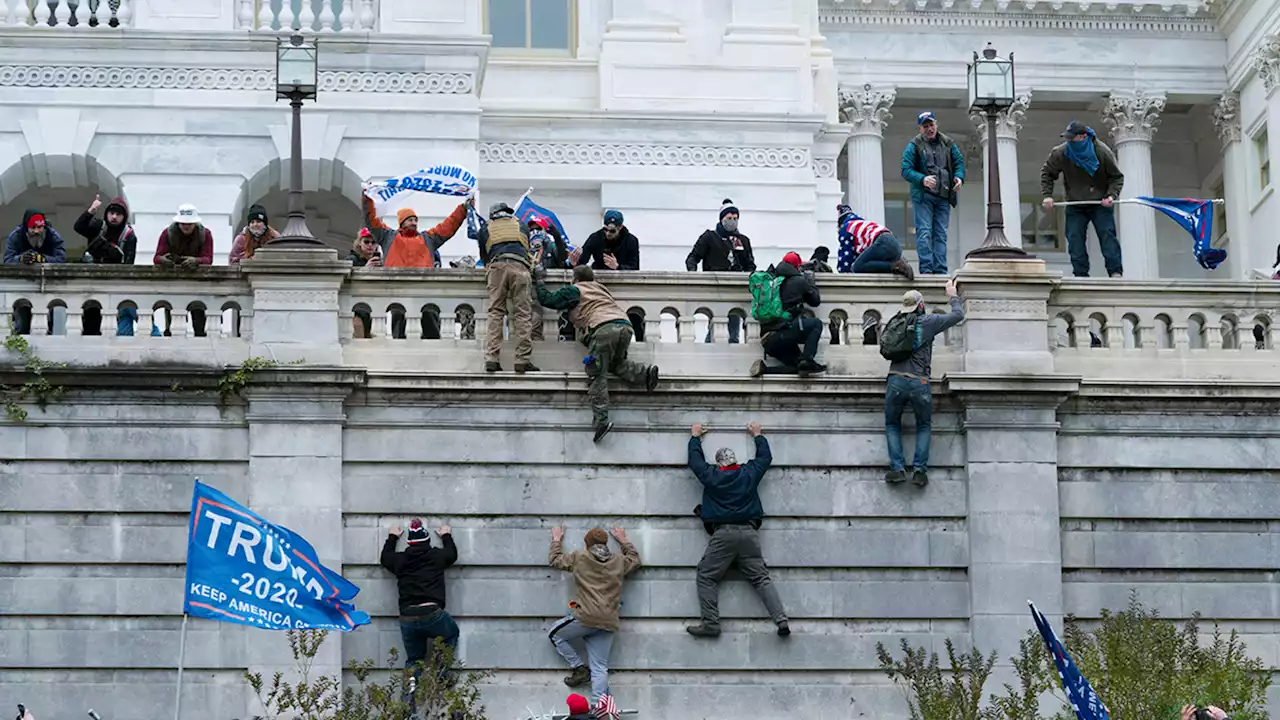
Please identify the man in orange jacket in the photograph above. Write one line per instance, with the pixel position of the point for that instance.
(405, 247)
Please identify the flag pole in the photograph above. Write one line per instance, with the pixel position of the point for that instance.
(1126, 201)
(182, 656)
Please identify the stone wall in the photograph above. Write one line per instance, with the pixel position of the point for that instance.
(1064, 475)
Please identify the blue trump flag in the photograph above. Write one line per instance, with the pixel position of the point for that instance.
(1083, 699)
(1196, 217)
(527, 209)
(243, 569)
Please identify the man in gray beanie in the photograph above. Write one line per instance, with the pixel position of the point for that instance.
(731, 513)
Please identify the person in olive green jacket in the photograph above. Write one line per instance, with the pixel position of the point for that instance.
(1089, 173)
(593, 615)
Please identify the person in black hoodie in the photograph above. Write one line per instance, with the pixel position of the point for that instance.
(794, 341)
(111, 239)
(419, 572)
(723, 249)
(612, 247)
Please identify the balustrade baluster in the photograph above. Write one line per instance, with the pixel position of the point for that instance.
(306, 17)
(75, 322)
(413, 326)
(39, 320)
(686, 330)
(81, 14)
(267, 15)
(178, 323)
(62, 14)
(124, 14)
(367, 17)
(1113, 334)
(1212, 334)
(1080, 334)
(349, 19)
(42, 13)
(482, 327)
(246, 16)
(720, 329)
(11, 16)
(327, 17)
(379, 329)
(6, 323)
(652, 327)
(448, 327)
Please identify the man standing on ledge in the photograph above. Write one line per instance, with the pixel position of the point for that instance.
(731, 513)
(933, 166)
(1089, 173)
(507, 260)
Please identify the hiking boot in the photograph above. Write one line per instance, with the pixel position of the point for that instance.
(810, 367)
(784, 630)
(704, 630)
(492, 366)
(757, 368)
(578, 677)
(523, 368)
(900, 267)
(919, 478)
(651, 378)
(602, 431)
(894, 477)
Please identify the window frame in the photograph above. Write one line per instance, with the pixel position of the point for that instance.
(1059, 223)
(1260, 141)
(532, 52)
(908, 220)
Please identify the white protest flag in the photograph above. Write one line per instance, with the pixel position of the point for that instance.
(452, 180)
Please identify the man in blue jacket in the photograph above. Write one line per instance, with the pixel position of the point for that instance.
(934, 167)
(33, 242)
(731, 513)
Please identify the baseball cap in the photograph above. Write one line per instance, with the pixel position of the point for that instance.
(1074, 128)
(925, 117)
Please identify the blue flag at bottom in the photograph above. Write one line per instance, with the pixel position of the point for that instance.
(1083, 699)
(1196, 217)
(243, 569)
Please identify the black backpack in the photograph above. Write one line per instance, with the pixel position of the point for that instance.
(902, 335)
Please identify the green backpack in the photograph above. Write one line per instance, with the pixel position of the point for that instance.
(902, 335)
(766, 297)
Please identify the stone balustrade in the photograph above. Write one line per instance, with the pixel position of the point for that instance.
(1102, 328)
(68, 14)
(320, 16)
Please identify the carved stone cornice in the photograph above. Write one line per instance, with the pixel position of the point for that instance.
(1266, 60)
(1008, 122)
(228, 78)
(867, 109)
(639, 154)
(1133, 116)
(1086, 16)
(1226, 118)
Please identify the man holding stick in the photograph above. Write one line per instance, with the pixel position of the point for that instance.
(1093, 181)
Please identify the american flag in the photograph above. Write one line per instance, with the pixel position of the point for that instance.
(605, 707)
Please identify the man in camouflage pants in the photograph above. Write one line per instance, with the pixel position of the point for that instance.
(602, 326)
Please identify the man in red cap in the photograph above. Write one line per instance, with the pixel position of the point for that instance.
(792, 340)
(33, 242)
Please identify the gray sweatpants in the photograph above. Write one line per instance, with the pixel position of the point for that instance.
(598, 644)
(735, 545)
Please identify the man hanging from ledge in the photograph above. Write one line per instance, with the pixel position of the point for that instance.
(34, 242)
(405, 247)
(602, 325)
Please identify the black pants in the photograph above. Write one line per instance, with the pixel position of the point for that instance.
(785, 345)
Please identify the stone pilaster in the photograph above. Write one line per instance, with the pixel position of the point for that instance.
(1226, 121)
(1008, 125)
(866, 109)
(295, 305)
(826, 155)
(1134, 118)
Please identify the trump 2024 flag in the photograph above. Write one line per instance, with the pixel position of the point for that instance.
(1084, 700)
(1196, 217)
(243, 569)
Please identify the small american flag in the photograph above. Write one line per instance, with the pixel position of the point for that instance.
(606, 708)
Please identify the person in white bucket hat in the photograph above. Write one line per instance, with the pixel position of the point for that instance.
(186, 243)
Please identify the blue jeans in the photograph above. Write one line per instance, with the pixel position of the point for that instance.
(419, 634)
(933, 215)
(735, 328)
(899, 392)
(1104, 225)
(597, 643)
(880, 256)
(784, 345)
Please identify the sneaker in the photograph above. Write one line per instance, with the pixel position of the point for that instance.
(1117, 275)
(651, 378)
(703, 630)
(893, 477)
(757, 368)
(920, 478)
(578, 677)
(810, 367)
(523, 368)
(602, 431)
(900, 267)
(492, 366)
(784, 630)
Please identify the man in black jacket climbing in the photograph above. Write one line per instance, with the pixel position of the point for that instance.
(793, 341)
(732, 513)
(419, 572)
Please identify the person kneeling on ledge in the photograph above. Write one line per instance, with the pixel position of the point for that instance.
(779, 296)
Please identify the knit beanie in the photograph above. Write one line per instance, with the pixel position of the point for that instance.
(257, 212)
(417, 533)
(821, 252)
(725, 457)
(404, 214)
(612, 217)
(842, 210)
(727, 207)
(578, 705)
(793, 258)
(597, 536)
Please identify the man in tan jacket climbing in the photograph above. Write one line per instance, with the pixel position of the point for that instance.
(593, 611)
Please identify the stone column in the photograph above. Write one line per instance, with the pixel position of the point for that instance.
(1008, 125)
(1235, 182)
(867, 111)
(1133, 118)
(826, 155)
(1009, 396)
(295, 305)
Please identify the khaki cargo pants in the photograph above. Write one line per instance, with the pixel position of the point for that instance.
(508, 284)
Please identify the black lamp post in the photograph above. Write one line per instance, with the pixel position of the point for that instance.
(991, 91)
(297, 71)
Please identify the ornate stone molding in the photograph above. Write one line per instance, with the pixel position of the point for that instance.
(867, 109)
(1055, 16)
(1133, 116)
(1266, 60)
(1008, 122)
(1226, 118)
(185, 78)
(636, 154)
(824, 167)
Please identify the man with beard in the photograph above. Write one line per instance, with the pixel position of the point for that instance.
(111, 239)
(33, 242)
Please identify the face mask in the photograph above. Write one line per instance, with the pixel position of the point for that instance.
(258, 232)
(730, 224)
(1080, 143)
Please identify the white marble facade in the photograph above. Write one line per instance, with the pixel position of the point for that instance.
(660, 108)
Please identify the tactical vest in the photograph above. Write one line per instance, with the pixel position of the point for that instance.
(506, 231)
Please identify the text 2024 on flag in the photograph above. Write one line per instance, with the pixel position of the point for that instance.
(243, 569)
